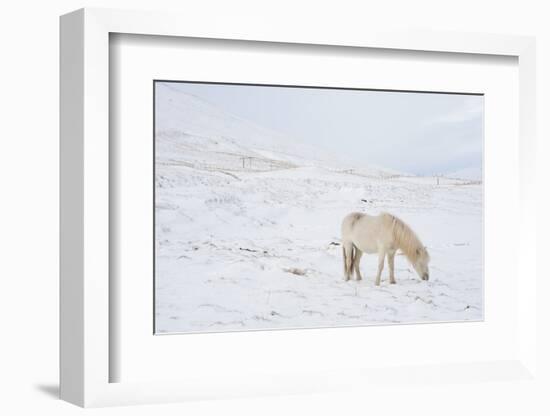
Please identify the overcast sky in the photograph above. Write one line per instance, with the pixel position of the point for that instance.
(417, 133)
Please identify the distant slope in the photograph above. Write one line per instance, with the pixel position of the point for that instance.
(196, 123)
(474, 174)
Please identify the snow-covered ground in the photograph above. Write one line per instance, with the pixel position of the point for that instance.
(248, 224)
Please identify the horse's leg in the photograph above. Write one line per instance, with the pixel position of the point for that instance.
(381, 257)
(391, 264)
(356, 261)
(347, 249)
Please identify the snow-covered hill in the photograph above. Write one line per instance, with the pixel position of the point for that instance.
(186, 124)
(247, 231)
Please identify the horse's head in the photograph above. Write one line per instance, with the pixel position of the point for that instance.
(421, 264)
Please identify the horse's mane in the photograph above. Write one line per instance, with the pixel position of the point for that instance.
(405, 238)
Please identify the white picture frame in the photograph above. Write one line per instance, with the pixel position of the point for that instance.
(85, 222)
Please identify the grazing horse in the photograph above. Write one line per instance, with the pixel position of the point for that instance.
(383, 234)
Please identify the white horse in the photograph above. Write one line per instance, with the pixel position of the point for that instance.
(383, 234)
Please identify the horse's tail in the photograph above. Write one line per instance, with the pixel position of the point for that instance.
(345, 259)
(349, 258)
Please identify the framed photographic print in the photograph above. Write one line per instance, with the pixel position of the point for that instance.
(265, 212)
(267, 197)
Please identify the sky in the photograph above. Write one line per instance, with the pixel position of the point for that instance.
(416, 133)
